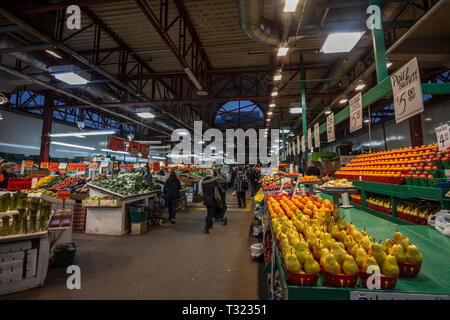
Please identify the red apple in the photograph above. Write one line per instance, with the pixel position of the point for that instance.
(430, 176)
(415, 176)
(423, 176)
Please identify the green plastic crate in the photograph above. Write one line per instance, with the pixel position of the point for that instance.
(138, 213)
(424, 182)
(64, 255)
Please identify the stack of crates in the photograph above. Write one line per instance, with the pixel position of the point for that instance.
(79, 217)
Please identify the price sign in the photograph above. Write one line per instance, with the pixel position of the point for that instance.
(63, 194)
(116, 165)
(53, 166)
(62, 165)
(309, 138)
(43, 165)
(19, 166)
(81, 168)
(2, 177)
(298, 145)
(62, 171)
(317, 135)
(407, 91)
(93, 165)
(145, 149)
(122, 166)
(72, 166)
(116, 144)
(443, 136)
(330, 128)
(130, 166)
(104, 169)
(133, 148)
(29, 163)
(356, 120)
(303, 144)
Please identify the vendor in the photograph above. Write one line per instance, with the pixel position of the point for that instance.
(8, 170)
(146, 174)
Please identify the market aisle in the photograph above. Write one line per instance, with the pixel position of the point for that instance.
(169, 262)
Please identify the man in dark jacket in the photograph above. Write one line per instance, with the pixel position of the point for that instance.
(240, 183)
(172, 189)
(208, 187)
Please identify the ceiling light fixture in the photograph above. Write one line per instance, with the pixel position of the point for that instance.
(53, 53)
(282, 51)
(158, 158)
(82, 134)
(341, 42)
(71, 78)
(328, 111)
(108, 150)
(145, 115)
(295, 110)
(72, 145)
(360, 86)
(366, 120)
(428, 118)
(272, 105)
(389, 64)
(269, 113)
(196, 83)
(343, 101)
(277, 77)
(290, 6)
(274, 93)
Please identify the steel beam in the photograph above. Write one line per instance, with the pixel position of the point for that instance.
(64, 5)
(46, 127)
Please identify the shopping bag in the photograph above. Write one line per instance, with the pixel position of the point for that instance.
(234, 194)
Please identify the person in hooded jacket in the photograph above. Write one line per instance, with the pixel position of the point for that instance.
(172, 188)
(207, 188)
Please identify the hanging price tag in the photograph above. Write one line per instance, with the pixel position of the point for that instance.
(317, 135)
(443, 136)
(72, 166)
(130, 166)
(330, 128)
(93, 165)
(18, 166)
(407, 91)
(29, 163)
(81, 170)
(2, 177)
(309, 138)
(116, 144)
(104, 169)
(356, 120)
(43, 165)
(62, 171)
(298, 145)
(53, 166)
(122, 166)
(63, 194)
(303, 144)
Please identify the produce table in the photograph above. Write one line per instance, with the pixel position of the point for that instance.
(433, 281)
(110, 220)
(399, 191)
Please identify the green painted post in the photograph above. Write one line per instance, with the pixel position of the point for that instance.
(379, 47)
(304, 123)
(394, 206)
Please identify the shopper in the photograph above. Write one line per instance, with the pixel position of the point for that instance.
(8, 170)
(254, 177)
(233, 176)
(146, 174)
(213, 197)
(313, 171)
(172, 188)
(240, 186)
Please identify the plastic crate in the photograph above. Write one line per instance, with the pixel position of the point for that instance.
(138, 213)
(64, 255)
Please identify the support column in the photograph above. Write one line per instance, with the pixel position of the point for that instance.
(304, 122)
(379, 47)
(415, 130)
(46, 127)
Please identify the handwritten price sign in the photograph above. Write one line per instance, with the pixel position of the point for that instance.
(356, 112)
(330, 128)
(317, 135)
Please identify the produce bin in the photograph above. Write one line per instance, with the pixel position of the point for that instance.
(64, 255)
(138, 213)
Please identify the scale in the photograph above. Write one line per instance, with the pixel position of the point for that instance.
(335, 192)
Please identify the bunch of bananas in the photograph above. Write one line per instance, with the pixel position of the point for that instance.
(259, 196)
(43, 181)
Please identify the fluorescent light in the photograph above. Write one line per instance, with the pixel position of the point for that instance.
(269, 113)
(82, 134)
(71, 78)
(360, 86)
(193, 79)
(341, 42)
(53, 53)
(389, 64)
(343, 100)
(21, 146)
(183, 133)
(108, 150)
(428, 119)
(272, 105)
(290, 6)
(145, 115)
(282, 51)
(268, 119)
(285, 131)
(327, 111)
(1, 117)
(277, 77)
(201, 142)
(274, 94)
(366, 121)
(72, 145)
(295, 110)
(158, 158)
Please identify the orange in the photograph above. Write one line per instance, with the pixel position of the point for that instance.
(310, 205)
(307, 211)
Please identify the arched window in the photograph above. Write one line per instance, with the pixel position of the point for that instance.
(239, 113)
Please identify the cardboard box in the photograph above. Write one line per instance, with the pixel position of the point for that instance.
(139, 227)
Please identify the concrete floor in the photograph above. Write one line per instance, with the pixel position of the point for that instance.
(168, 262)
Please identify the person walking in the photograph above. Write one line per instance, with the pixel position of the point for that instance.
(213, 197)
(172, 188)
(254, 177)
(240, 186)
(7, 170)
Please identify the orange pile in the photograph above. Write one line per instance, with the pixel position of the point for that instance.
(303, 204)
(309, 178)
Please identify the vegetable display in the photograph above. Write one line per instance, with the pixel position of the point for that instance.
(127, 184)
(68, 182)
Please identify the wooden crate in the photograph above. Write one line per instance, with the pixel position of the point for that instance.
(139, 227)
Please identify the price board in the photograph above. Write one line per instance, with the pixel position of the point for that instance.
(407, 90)
(356, 121)
(317, 135)
(130, 166)
(43, 165)
(53, 166)
(145, 150)
(122, 166)
(93, 165)
(62, 165)
(309, 139)
(298, 145)
(303, 144)
(72, 166)
(2, 177)
(63, 194)
(443, 136)
(81, 168)
(29, 163)
(134, 148)
(62, 171)
(330, 128)
(116, 144)
(19, 166)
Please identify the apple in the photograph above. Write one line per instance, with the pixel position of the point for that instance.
(415, 176)
(423, 176)
(430, 176)
(434, 168)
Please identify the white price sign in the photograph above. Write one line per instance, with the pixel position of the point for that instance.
(330, 128)
(309, 138)
(298, 145)
(407, 91)
(356, 120)
(303, 144)
(443, 136)
(317, 135)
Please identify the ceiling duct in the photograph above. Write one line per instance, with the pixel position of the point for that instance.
(252, 21)
(102, 92)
